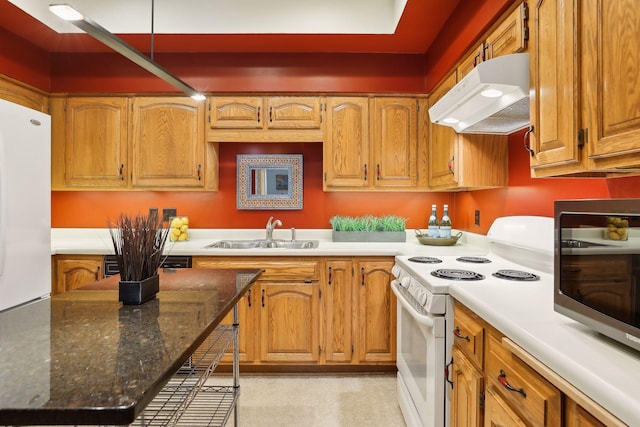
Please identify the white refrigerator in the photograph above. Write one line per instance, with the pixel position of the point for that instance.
(25, 205)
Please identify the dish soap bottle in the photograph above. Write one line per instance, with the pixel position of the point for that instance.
(432, 231)
(445, 224)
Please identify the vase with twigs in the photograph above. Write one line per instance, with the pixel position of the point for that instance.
(138, 243)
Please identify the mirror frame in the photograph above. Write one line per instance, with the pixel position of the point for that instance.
(292, 163)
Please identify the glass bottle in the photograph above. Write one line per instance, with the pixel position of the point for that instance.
(432, 231)
(445, 224)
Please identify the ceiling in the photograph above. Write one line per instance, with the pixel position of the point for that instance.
(216, 26)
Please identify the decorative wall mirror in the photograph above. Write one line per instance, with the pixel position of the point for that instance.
(269, 181)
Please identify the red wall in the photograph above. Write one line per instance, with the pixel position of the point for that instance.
(218, 209)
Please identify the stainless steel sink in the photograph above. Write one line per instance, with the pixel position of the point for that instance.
(261, 243)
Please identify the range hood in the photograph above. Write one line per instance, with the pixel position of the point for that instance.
(491, 99)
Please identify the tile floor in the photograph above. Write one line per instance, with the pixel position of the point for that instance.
(314, 401)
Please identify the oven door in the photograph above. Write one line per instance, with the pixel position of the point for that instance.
(422, 392)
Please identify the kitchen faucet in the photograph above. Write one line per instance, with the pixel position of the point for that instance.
(270, 226)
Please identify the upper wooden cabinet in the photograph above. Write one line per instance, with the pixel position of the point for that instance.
(265, 119)
(107, 143)
(371, 144)
(18, 93)
(346, 143)
(95, 142)
(167, 142)
(510, 35)
(464, 161)
(584, 68)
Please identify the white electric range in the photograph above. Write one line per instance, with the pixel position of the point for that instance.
(520, 249)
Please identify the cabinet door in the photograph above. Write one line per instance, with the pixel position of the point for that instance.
(377, 312)
(236, 112)
(168, 142)
(293, 112)
(95, 146)
(611, 81)
(508, 37)
(577, 416)
(395, 142)
(74, 272)
(337, 303)
(346, 144)
(498, 414)
(468, 384)
(289, 322)
(247, 331)
(470, 61)
(554, 101)
(443, 145)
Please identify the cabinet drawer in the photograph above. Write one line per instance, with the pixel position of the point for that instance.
(298, 269)
(534, 398)
(468, 331)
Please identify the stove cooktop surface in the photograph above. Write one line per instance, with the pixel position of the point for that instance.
(438, 276)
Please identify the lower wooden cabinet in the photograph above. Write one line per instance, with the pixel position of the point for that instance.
(497, 383)
(315, 310)
(73, 271)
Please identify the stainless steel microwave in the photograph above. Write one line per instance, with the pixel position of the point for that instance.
(597, 265)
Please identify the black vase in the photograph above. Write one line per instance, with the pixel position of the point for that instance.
(138, 292)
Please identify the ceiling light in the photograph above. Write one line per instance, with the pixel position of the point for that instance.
(450, 120)
(65, 12)
(92, 28)
(491, 93)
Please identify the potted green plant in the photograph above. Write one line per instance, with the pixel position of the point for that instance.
(368, 228)
(138, 242)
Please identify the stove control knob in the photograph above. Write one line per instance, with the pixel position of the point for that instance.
(406, 282)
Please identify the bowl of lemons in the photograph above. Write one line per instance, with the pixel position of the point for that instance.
(179, 228)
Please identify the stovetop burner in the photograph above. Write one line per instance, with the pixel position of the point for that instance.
(516, 275)
(474, 259)
(454, 274)
(425, 259)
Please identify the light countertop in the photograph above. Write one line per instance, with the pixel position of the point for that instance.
(97, 241)
(606, 371)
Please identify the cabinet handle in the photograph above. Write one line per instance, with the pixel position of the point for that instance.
(450, 165)
(378, 172)
(259, 114)
(362, 276)
(457, 333)
(527, 141)
(97, 273)
(484, 52)
(271, 114)
(262, 299)
(502, 379)
(365, 172)
(121, 172)
(330, 275)
(199, 171)
(249, 297)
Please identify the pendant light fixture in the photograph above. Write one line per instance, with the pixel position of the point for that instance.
(68, 13)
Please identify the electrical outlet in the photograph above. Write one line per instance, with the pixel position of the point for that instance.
(477, 217)
(168, 213)
(153, 211)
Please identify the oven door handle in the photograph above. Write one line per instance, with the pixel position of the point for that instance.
(420, 318)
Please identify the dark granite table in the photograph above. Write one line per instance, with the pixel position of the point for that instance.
(84, 358)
